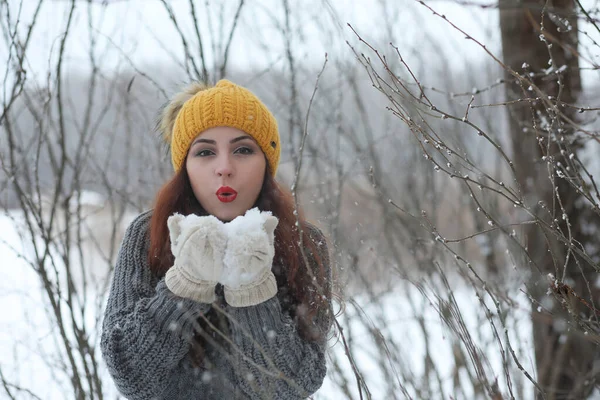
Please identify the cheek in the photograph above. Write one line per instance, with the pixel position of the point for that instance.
(259, 173)
(197, 176)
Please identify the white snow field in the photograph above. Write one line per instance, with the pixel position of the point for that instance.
(31, 355)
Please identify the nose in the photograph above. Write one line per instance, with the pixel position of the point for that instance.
(224, 166)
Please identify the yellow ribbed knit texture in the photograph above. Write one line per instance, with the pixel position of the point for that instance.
(225, 104)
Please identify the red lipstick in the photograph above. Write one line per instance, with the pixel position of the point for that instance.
(226, 194)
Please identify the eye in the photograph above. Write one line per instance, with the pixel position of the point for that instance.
(244, 150)
(203, 153)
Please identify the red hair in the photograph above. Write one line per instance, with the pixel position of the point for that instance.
(302, 296)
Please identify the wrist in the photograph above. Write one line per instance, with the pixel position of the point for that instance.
(183, 285)
(252, 293)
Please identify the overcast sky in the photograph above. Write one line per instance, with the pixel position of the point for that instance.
(141, 31)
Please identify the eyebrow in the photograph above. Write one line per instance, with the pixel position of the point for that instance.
(210, 141)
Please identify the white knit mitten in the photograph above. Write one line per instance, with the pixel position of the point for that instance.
(247, 276)
(198, 244)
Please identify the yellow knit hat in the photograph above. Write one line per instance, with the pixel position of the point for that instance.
(199, 108)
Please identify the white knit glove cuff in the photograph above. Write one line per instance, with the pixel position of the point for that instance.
(198, 245)
(246, 275)
(253, 293)
(183, 285)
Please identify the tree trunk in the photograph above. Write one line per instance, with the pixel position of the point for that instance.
(564, 352)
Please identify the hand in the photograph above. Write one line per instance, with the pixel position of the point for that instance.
(198, 244)
(247, 276)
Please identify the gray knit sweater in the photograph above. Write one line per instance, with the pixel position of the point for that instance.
(147, 332)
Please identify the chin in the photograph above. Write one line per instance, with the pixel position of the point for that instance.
(228, 216)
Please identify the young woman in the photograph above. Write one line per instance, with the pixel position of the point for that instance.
(223, 289)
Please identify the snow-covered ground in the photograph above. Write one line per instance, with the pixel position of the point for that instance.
(406, 318)
(31, 354)
(397, 317)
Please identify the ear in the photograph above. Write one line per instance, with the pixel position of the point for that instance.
(270, 224)
(174, 224)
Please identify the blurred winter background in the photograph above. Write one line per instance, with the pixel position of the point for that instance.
(450, 155)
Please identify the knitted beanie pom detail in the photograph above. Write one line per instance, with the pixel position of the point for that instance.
(169, 114)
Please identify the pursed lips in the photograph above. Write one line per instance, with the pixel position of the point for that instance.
(226, 194)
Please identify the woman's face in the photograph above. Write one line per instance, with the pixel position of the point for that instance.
(226, 169)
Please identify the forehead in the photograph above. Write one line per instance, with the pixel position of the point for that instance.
(221, 133)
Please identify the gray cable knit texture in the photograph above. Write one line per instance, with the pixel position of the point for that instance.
(147, 331)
